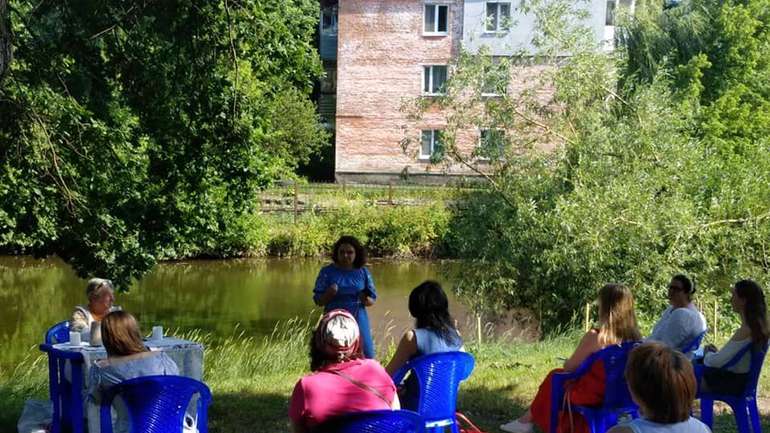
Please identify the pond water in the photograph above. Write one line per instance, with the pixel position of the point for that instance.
(217, 296)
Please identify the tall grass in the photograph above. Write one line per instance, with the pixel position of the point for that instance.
(252, 378)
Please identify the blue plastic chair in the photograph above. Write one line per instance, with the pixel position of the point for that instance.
(694, 344)
(157, 404)
(66, 395)
(439, 376)
(617, 399)
(744, 405)
(58, 333)
(376, 421)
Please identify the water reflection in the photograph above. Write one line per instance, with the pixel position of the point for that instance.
(209, 295)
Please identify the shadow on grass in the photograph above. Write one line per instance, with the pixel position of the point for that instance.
(488, 407)
(248, 413)
(12, 398)
(229, 412)
(724, 421)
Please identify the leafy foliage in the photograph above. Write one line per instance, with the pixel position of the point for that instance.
(399, 231)
(662, 163)
(133, 131)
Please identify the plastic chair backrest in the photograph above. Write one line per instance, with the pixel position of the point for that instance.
(65, 394)
(693, 344)
(755, 367)
(614, 357)
(58, 333)
(616, 394)
(439, 376)
(377, 421)
(157, 404)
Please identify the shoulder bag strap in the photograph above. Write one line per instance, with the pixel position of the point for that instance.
(362, 385)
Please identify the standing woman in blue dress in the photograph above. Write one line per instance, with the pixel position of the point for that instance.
(346, 283)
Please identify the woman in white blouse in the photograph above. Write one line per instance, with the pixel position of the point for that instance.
(681, 322)
(748, 301)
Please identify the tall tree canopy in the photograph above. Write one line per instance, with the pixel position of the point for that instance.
(662, 163)
(132, 131)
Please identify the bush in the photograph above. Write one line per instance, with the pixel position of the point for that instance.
(398, 231)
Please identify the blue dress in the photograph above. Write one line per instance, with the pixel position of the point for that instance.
(350, 284)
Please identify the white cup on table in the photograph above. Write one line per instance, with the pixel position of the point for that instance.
(157, 333)
(75, 338)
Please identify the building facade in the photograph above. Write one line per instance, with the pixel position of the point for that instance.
(379, 53)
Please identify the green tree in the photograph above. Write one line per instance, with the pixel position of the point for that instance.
(5, 40)
(659, 166)
(137, 131)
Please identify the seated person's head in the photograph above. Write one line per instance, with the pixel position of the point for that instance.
(100, 295)
(680, 290)
(120, 334)
(662, 382)
(336, 339)
(617, 319)
(749, 300)
(429, 305)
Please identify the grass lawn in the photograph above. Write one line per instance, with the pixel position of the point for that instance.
(252, 379)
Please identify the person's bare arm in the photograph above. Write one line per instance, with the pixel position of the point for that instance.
(620, 429)
(396, 405)
(407, 347)
(368, 301)
(327, 296)
(588, 345)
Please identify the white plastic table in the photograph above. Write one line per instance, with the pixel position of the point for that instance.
(188, 356)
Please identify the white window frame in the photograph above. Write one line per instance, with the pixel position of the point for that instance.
(480, 144)
(498, 28)
(436, 14)
(433, 134)
(609, 17)
(430, 80)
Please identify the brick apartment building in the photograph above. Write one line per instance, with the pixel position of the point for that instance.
(378, 52)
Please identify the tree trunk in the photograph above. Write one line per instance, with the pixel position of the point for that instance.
(5, 39)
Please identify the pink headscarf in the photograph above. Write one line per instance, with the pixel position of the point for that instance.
(337, 335)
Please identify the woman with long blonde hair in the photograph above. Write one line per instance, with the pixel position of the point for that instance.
(617, 324)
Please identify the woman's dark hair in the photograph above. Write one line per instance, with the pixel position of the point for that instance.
(360, 260)
(662, 381)
(688, 287)
(429, 305)
(755, 310)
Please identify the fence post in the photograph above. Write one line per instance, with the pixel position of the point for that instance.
(296, 200)
(390, 192)
(540, 316)
(344, 187)
(478, 328)
(587, 325)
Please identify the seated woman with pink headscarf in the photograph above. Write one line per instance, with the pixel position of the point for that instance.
(342, 380)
